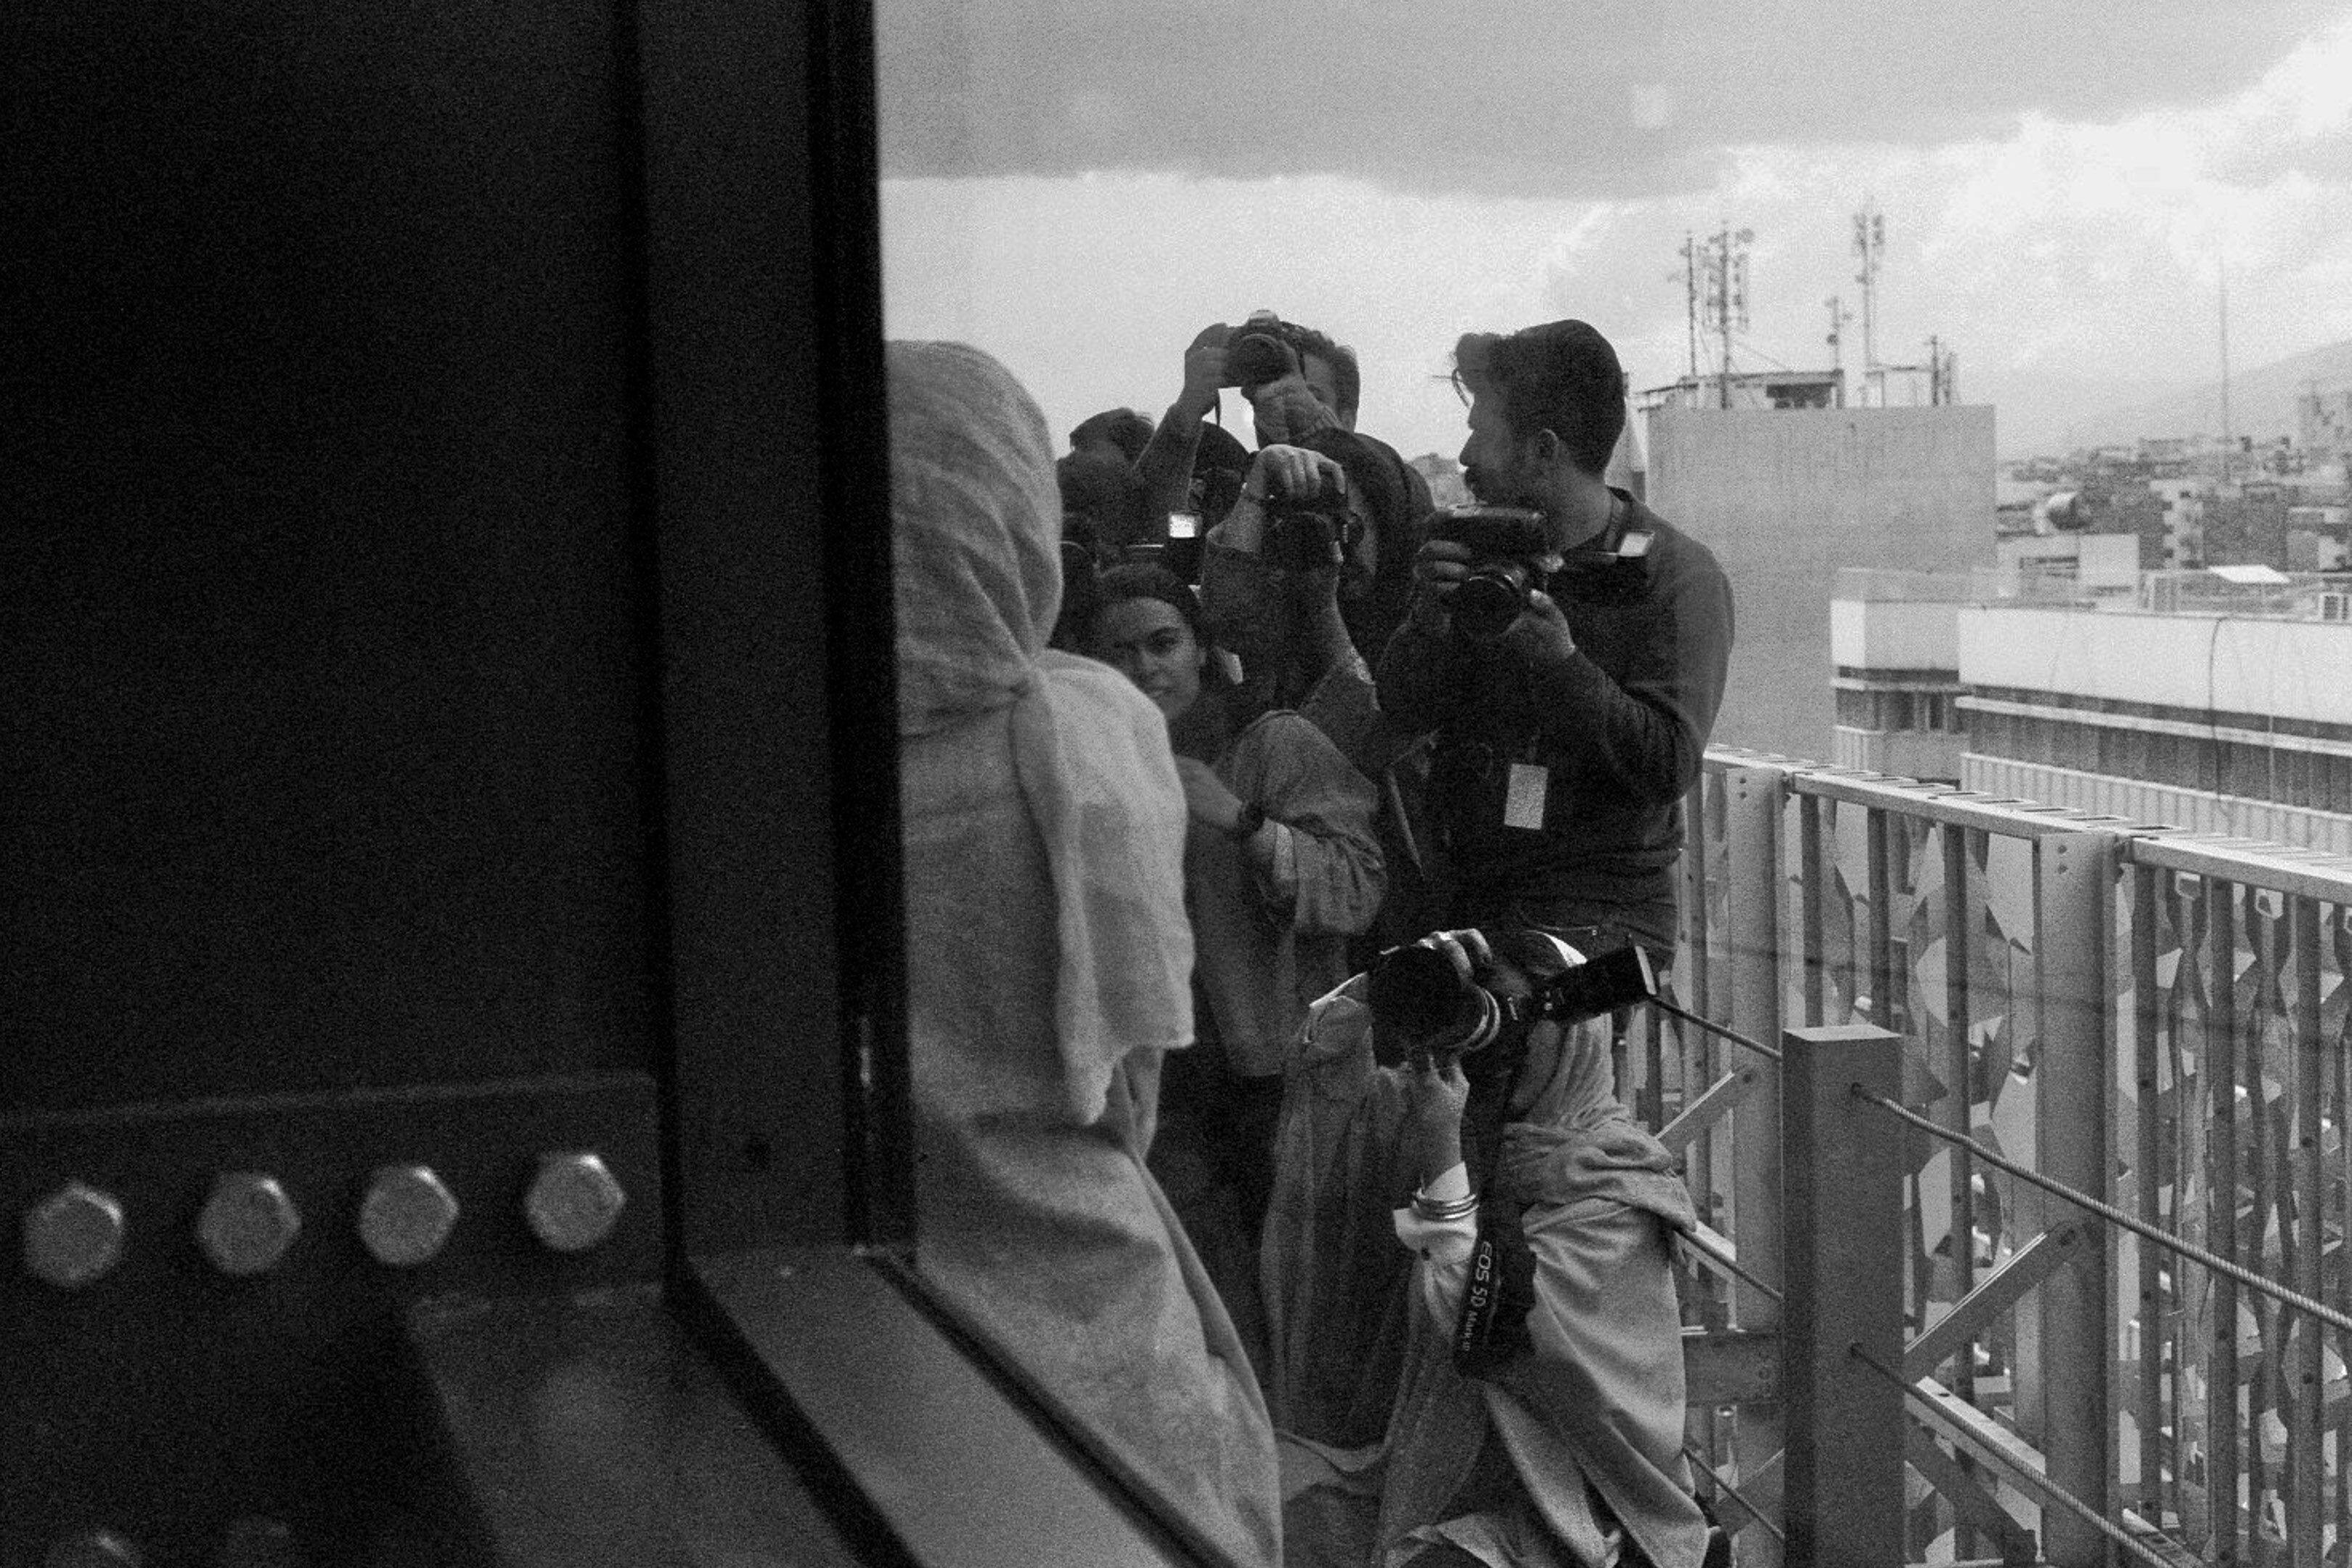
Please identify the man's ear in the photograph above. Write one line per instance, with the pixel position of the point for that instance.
(1546, 444)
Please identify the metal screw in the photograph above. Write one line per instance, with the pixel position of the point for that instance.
(73, 1236)
(247, 1223)
(253, 1541)
(95, 1548)
(406, 1215)
(574, 1202)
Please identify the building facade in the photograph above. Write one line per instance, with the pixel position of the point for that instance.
(1785, 500)
(2229, 712)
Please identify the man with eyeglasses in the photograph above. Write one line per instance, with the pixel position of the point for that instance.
(1571, 709)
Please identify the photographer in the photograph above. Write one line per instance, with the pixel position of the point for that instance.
(1302, 389)
(1535, 1414)
(1569, 654)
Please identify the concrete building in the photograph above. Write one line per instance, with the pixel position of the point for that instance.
(1895, 645)
(1785, 500)
(2218, 701)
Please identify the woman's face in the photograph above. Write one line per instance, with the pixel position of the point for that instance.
(1146, 641)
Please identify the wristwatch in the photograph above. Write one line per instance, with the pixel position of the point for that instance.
(1252, 818)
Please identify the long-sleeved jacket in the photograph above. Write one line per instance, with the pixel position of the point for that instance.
(1270, 942)
(1561, 780)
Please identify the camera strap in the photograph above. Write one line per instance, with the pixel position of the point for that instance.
(1491, 1330)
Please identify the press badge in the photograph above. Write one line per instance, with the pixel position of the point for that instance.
(1523, 804)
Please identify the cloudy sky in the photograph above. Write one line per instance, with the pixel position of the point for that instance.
(2067, 188)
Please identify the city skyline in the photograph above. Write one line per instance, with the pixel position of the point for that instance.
(2058, 221)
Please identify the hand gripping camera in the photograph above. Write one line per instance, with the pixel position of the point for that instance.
(1257, 352)
(1504, 545)
(1304, 533)
(1428, 994)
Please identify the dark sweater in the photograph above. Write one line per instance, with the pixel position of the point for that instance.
(1621, 726)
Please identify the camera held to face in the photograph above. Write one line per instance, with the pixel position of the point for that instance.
(1257, 352)
(1451, 1006)
(1304, 533)
(1506, 543)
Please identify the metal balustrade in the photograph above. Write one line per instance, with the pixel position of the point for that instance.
(2101, 1184)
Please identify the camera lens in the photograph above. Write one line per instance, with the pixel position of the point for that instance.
(1488, 601)
(1417, 990)
(1257, 358)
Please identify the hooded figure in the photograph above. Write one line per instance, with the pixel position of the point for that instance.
(1049, 965)
(1567, 1455)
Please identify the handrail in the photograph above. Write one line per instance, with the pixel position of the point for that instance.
(2108, 1212)
(1984, 926)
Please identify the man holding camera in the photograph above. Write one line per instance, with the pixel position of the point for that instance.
(1302, 389)
(1567, 647)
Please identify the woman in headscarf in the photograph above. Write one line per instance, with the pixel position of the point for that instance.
(1560, 1446)
(1280, 868)
(1049, 965)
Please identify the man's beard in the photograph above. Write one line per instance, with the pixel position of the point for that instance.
(1490, 489)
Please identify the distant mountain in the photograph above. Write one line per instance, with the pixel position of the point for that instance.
(2052, 418)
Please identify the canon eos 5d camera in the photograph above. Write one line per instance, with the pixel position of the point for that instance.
(1507, 544)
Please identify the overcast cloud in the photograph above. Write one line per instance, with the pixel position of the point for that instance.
(1078, 190)
(1595, 98)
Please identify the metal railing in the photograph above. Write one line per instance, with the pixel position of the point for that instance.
(2099, 1173)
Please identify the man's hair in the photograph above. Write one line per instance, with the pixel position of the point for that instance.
(1562, 377)
(1345, 376)
(1123, 428)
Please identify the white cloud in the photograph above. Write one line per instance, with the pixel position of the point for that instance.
(2047, 248)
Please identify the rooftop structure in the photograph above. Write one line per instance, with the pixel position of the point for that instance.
(2216, 701)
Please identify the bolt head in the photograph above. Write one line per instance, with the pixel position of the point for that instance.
(73, 1236)
(406, 1216)
(574, 1202)
(247, 1223)
(93, 1549)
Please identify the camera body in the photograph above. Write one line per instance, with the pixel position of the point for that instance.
(1506, 543)
(1305, 532)
(1257, 352)
(1422, 992)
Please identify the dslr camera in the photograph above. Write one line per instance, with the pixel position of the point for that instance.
(1305, 533)
(1506, 543)
(1424, 992)
(1257, 352)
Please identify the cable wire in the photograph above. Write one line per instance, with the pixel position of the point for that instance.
(1712, 1028)
(2114, 1216)
(2115, 1532)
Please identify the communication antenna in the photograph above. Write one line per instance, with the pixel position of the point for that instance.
(1870, 245)
(1838, 317)
(1726, 294)
(1690, 298)
(2221, 265)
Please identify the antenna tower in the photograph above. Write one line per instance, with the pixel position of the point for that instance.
(1839, 317)
(1725, 256)
(1870, 245)
(1690, 298)
(2222, 268)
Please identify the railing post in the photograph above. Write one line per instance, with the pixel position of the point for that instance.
(2076, 883)
(1754, 797)
(1842, 1209)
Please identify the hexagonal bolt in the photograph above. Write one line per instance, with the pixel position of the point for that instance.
(574, 1202)
(253, 1541)
(407, 1214)
(247, 1223)
(92, 1549)
(73, 1236)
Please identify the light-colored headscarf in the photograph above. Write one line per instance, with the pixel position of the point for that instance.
(975, 533)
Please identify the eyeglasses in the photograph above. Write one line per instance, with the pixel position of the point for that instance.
(1462, 388)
